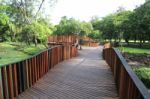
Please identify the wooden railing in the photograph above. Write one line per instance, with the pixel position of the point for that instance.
(87, 41)
(91, 44)
(128, 84)
(16, 77)
(62, 39)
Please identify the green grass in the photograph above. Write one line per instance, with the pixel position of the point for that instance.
(11, 53)
(134, 50)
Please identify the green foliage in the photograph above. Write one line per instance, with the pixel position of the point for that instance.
(95, 34)
(144, 74)
(18, 22)
(4, 20)
(111, 25)
(69, 26)
(38, 30)
(127, 25)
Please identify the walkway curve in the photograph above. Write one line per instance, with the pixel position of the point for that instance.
(84, 77)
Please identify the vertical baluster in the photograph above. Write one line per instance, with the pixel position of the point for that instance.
(10, 82)
(27, 73)
(30, 72)
(40, 69)
(5, 84)
(47, 63)
(49, 57)
(37, 66)
(35, 69)
(24, 71)
(1, 85)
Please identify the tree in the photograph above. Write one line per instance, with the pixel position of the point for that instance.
(86, 28)
(111, 25)
(67, 26)
(95, 34)
(21, 15)
(37, 31)
(4, 20)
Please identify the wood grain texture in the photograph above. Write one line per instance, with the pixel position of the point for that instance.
(129, 86)
(5, 83)
(84, 77)
(1, 86)
(10, 82)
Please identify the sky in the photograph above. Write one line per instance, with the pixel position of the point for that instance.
(84, 10)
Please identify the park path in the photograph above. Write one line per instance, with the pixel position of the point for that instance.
(86, 76)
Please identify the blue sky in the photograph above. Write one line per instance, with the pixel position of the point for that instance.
(85, 9)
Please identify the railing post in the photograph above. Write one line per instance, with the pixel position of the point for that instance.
(30, 78)
(49, 58)
(10, 82)
(1, 85)
(5, 83)
(123, 84)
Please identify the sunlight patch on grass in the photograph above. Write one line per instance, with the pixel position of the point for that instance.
(134, 50)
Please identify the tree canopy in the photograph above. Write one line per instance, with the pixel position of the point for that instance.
(128, 25)
(68, 26)
(22, 20)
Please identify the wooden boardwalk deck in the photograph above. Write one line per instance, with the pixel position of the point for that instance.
(84, 77)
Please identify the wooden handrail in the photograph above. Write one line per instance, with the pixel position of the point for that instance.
(129, 86)
(16, 77)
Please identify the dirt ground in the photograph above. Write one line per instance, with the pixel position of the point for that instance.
(137, 59)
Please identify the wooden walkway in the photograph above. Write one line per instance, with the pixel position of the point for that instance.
(84, 77)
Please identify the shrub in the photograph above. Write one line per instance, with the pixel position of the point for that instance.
(144, 74)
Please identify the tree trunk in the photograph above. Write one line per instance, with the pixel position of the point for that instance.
(140, 44)
(127, 41)
(35, 41)
(14, 37)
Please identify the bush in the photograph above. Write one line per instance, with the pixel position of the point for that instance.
(144, 74)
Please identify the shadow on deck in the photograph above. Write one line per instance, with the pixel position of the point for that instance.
(84, 77)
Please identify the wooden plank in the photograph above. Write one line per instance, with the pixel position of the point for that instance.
(30, 72)
(1, 86)
(10, 82)
(38, 67)
(41, 65)
(49, 58)
(27, 73)
(41, 60)
(47, 63)
(19, 78)
(35, 67)
(52, 58)
(22, 75)
(44, 66)
(14, 77)
(77, 78)
(5, 83)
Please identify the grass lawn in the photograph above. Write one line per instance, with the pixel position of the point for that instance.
(134, 50)
(12, 52)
